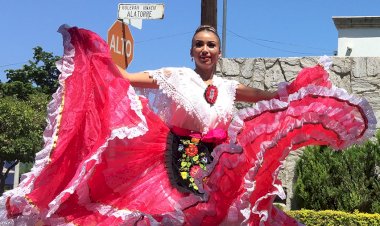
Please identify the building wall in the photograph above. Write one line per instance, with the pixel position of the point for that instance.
(358, 75)
(359, 42)
(358, 36)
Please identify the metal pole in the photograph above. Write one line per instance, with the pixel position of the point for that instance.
(224, 28)
(16, 175)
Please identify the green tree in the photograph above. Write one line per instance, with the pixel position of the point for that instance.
(21, 127)
(40, 75)
(23, 101)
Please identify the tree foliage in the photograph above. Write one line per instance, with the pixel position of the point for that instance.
(23, 101)
(340, 180)
(21, 127)
(40, 75)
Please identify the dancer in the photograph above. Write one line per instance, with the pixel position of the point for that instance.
(167, 147)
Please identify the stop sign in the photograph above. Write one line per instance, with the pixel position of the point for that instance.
(120, 41)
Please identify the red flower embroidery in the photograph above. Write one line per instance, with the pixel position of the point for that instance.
(194, 170)
(191, 150)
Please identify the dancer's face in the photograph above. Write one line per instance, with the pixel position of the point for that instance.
(205, 49)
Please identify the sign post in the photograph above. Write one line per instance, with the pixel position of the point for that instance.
(121, 44)
(119, 37)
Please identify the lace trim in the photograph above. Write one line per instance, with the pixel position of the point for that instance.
(238, 122)
(86, 171)
(226, 110)
(337, 93)
(65, 65)
(325, 61)
(123, 132)
(174, 218)
(174, 83)
(55, 107)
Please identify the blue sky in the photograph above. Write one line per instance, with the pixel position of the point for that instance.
(255, 28)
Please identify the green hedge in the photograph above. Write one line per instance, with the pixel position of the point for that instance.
(340, 180)
(333, 218)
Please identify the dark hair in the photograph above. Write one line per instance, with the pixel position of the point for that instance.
(207, 28)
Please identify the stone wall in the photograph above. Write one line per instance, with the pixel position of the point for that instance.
(357, 75)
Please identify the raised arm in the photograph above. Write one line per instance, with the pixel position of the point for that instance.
(140, 79)
(249, 94)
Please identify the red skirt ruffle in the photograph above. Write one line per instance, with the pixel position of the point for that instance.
(104, 157)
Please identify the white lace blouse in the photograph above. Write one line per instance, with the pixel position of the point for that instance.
(180, 101)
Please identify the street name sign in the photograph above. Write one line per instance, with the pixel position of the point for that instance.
(146, 11)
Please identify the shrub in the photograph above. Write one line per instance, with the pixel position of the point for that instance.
(340, 180)
(329, 217)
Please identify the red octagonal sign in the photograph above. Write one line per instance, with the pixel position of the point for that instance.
(120, 41)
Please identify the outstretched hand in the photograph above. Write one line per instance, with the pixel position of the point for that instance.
(310, 76)
(316, 75)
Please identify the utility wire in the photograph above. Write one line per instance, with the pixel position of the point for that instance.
(234, 33)
(245, 38)
(164, 37)
(138, 42)
(290, 44)
(274, 48)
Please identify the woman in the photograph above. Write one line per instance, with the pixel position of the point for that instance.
(165, 158)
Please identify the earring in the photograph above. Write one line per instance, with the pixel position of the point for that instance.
(192, 59)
